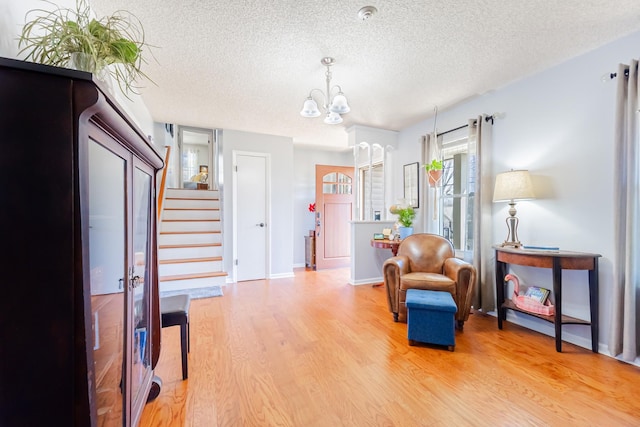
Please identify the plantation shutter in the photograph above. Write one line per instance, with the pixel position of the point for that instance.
(373, 200)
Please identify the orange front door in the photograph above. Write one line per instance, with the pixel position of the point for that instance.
(334, 207)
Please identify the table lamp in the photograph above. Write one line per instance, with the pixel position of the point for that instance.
(203, 173)
(512, 186)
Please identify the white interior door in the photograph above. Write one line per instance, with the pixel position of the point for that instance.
(250, 212)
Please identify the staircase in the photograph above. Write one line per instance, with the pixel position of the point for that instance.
(190, 240)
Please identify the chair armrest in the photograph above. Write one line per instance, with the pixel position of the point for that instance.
(399, 262)
(464, 275)
(392, 269)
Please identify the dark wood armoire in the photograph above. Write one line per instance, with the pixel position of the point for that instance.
(79, 309)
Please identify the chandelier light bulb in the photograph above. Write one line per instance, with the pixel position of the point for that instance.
(310, 108)
(333, 118)
(333, 107)
(339, 104)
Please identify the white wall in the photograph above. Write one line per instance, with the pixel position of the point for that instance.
(304, 190)
(367, 261)
(281, 150)
(558, 124)
(12, 19)
(162, 139)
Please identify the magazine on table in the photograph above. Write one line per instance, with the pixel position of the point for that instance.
(537, 293)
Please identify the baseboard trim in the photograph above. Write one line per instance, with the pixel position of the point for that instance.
(282, 275)
(369, 281)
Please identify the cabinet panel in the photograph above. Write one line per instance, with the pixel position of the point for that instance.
(107, 258)
(141, 357)
(120, 212)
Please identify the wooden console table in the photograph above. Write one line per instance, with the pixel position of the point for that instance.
(386, 244)
(557, 261)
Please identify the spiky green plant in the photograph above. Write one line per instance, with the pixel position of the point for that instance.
(53, 36)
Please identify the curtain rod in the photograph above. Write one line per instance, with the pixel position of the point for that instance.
(486, 119)
(453, 130)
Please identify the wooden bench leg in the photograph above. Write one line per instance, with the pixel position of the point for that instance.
(184, 346)
(175, 312)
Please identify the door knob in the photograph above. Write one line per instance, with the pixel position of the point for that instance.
(260, 224)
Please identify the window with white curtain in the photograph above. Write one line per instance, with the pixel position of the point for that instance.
(457, 196)
(372, 191)
(190, 162)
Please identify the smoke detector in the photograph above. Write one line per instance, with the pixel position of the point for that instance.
(366, 12)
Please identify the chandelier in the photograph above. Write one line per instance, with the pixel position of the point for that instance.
(333, 106)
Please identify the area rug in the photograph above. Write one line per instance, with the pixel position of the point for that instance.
(197, 293)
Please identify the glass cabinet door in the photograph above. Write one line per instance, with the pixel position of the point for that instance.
(108, 278)
(141, 357)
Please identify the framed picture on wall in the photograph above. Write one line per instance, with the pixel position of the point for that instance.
(411, 185)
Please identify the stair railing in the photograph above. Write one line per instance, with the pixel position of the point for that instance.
(163, 180)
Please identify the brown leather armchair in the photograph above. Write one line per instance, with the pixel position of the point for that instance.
(427, 261)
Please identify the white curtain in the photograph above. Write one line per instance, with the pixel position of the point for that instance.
(190, 157)
(626, 275)
(479, 140)
(432, 150)
(483, 254)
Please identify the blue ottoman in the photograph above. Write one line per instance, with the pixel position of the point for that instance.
(431, 317)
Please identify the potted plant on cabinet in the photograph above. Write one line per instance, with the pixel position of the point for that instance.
(434, 171)
(72, 38)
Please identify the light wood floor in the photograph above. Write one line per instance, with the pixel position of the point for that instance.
(315, 351)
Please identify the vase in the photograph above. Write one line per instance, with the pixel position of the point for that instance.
(84, 62)
(434, 177)
(405, 232)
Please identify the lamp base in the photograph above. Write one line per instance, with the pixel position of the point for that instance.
(511, 244)
(512, 225)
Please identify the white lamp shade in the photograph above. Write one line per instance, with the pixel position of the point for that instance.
(339, 104)
(333, 119)
(513, 185)
(310, 108)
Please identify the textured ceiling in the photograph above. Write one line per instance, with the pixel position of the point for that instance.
(248, 65)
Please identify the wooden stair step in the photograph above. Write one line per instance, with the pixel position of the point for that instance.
(191, 209)
(190, 220)
(192, 198)
(190, 245)
(190, 232)
(185, 260)
(192, 276)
